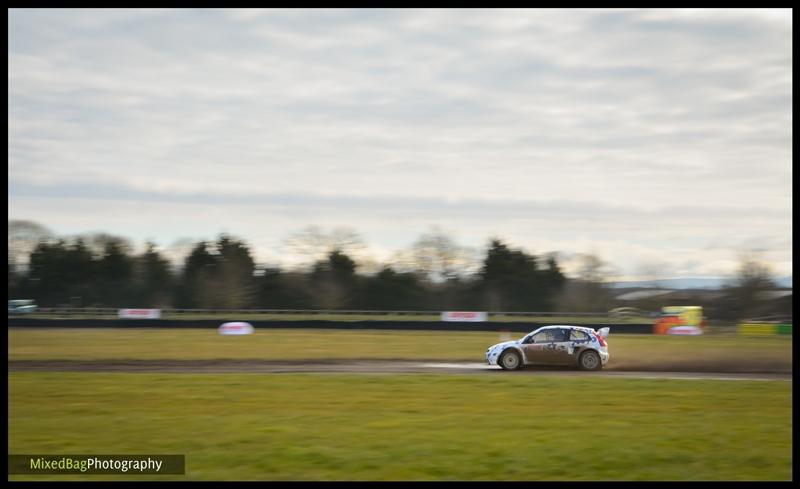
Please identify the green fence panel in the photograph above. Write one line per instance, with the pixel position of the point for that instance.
(756, 329)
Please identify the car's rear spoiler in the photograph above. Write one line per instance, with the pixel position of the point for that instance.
(603, 332)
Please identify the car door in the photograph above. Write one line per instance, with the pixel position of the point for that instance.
(579, 340)
(560, 353)
(541, 347)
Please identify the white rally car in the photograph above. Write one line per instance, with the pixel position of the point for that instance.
(576, 346)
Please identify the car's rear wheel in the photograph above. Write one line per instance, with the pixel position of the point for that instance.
(590, 360)
(510, 360)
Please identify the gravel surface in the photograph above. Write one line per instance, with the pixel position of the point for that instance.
(374, 366)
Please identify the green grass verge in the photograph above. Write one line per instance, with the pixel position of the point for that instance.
(769, 353)
(410, 427)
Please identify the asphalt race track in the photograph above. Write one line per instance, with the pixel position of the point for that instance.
(362, 367)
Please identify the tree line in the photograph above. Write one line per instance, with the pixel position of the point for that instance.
(102, 270)
(223, 274)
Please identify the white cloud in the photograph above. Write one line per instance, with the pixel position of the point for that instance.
(590, 110)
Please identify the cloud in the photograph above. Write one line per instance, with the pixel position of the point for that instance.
(591, 119)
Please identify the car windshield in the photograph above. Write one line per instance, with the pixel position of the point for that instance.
(527, 337)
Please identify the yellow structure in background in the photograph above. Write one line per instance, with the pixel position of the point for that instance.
(675, 316)
(688, 315)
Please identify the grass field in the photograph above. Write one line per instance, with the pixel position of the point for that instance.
(627, 351)
(410, 427)
(240, 426)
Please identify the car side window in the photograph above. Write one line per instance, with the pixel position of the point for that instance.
(576, 335)
(542, 337)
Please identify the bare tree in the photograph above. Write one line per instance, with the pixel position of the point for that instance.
(593, 269)
(752, 278)
(438, 257)
(97, 242)
(23, 236)
(588, 292)
(314, 244)
(753, 273)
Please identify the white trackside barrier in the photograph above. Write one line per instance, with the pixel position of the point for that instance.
(236, 328)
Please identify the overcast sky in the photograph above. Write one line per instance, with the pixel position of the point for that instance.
(639, 135)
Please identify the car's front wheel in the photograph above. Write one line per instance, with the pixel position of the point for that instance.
(510, 360)
(590, 360)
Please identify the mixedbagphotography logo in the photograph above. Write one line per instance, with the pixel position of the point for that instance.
(97, 464)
